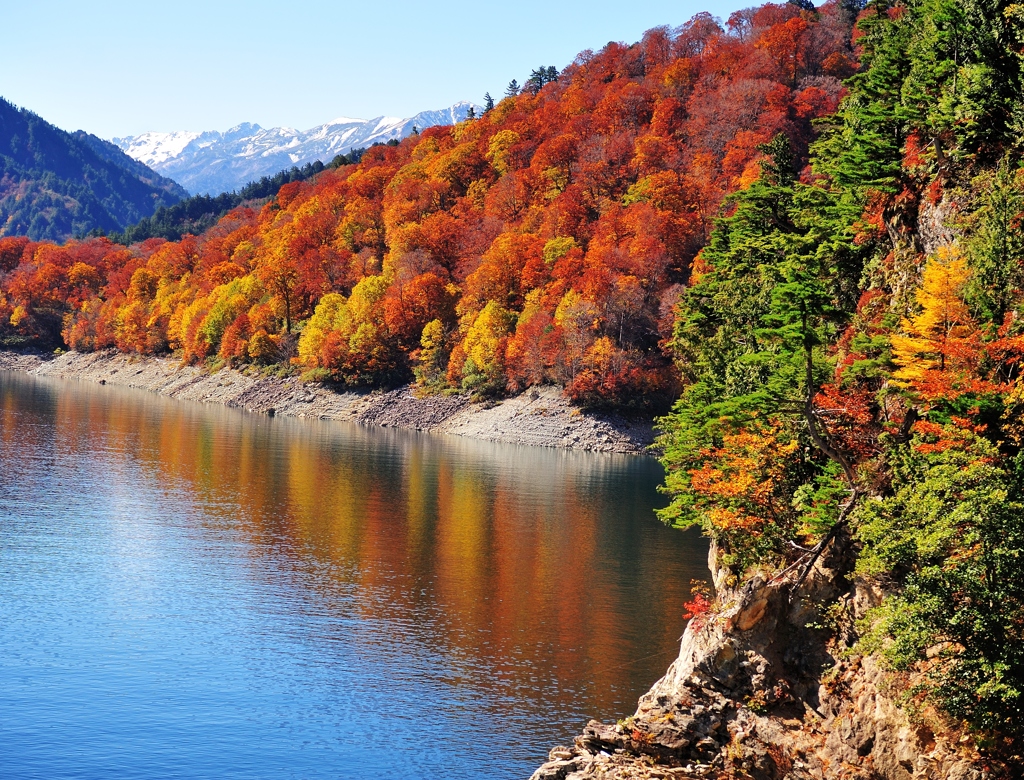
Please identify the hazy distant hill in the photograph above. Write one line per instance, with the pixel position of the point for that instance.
(55, 184)
(213, 162)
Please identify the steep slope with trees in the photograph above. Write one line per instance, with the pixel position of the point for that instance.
(54, 184)
(849, 434)
(544, 242)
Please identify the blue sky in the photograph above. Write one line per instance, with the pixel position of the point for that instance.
(121, 68)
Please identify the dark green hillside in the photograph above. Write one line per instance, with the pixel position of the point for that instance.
(201, 212)
(143, 172)
(54, 184)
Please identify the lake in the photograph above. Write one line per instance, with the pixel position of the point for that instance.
(190, 591)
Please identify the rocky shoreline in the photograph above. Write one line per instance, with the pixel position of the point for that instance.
(761, 691)
(540, 417)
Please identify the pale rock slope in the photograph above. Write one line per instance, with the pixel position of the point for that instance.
(541, 417)
(761, 690)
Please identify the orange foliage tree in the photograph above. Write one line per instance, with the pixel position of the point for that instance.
(940, 352)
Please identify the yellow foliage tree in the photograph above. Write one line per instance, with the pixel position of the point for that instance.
(578, 319)
(938, 355)
(319, 326)
(433, 355)
(484, 345)
(499, 150)
(350, 337)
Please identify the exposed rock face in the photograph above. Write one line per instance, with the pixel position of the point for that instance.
(933, 225)
(758, 692)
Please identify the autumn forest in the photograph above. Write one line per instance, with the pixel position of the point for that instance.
(794, 235)
(545, 242)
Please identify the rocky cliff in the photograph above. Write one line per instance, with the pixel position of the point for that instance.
(766, 687)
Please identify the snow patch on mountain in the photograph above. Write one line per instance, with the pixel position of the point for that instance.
(212, 162)
(155, 148)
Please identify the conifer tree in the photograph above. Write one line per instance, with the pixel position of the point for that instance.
(862, 146)
(540, 77)
(773, 286)
(996, 250)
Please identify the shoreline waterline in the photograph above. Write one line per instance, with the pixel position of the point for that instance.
(540, 417)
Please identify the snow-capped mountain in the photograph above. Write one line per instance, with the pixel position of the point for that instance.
(213, 162)
(155, 148)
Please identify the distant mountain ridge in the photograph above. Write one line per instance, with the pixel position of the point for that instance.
(213, 162)
(113, 154)
(55, 184)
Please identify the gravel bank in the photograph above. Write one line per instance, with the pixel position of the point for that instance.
(540, 417)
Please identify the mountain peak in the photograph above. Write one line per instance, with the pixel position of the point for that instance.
(212, 162)
(344, 120)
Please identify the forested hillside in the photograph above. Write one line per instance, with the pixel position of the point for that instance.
(850, 344)
(544, 242)
(199, 213)
(54, 184)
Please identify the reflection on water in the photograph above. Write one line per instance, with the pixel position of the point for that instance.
(190, 591)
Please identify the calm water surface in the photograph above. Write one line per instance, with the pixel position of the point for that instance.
(193, 592)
